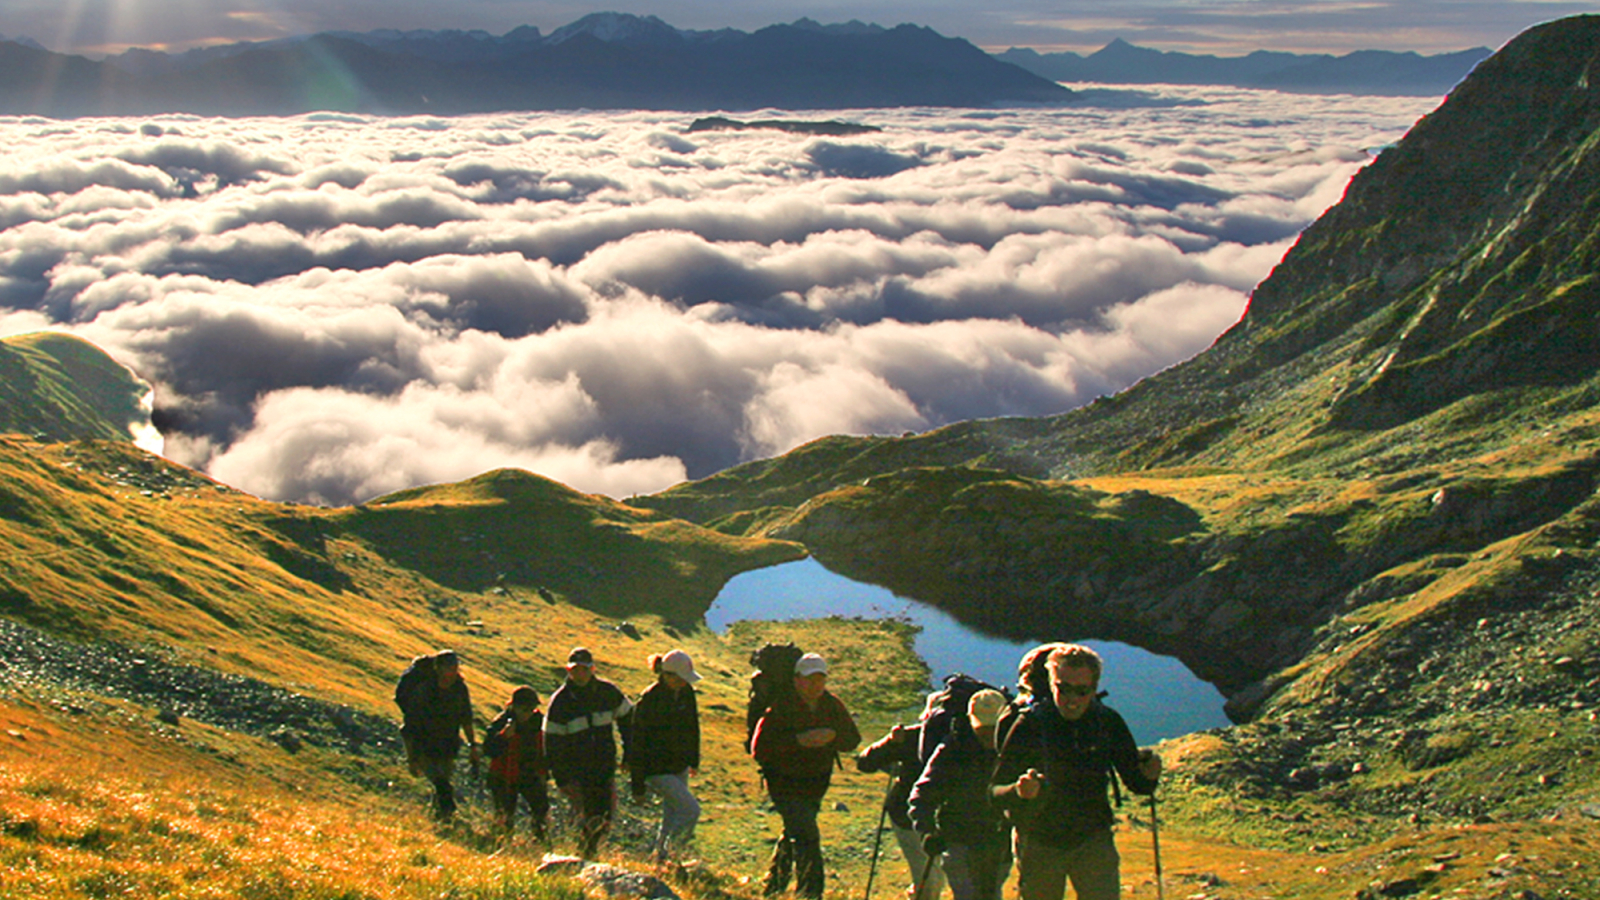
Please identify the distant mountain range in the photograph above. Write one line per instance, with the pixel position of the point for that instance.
(1361, 72)
(602, 61)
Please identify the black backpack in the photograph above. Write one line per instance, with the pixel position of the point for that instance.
(411, 682)
(948, 711)
(772, 681)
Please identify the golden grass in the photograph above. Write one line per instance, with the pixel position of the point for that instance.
(114, 811)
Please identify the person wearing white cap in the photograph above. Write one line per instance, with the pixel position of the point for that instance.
(796, 744)
(951, 808)
(661, 748)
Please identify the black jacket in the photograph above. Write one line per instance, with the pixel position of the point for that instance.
(433, 717)
(951, 797)
(899, 758)
(1077, 758)
(664, 734)
(579, 741)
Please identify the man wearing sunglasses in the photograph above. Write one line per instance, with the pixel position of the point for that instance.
(1057, 754)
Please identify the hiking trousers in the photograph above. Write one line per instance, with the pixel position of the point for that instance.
(911, 848)
(680, 811)
(977, 871)
(505, 796)
(1093, 866)
(439, 769)
(800, 847)
(593, 804)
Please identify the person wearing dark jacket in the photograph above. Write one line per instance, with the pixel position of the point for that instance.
(580, 745)
(796, 743)
(436, 708)
(950, 805)
(514, 744)
(662, 747)
(897, 754)
(1056, 755)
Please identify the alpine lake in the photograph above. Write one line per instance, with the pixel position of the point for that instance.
(1157, 695)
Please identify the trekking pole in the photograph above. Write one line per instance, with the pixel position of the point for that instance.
(1155, 844)
(877, 837)
(922, 883)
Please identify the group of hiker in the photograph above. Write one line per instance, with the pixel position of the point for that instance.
(979, 781)
(573, 743)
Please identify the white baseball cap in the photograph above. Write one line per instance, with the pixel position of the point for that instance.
(810, 664)
(678, 663)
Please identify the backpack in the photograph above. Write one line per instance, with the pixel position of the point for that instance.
(948, 711)
(772, 681)
(411, 683)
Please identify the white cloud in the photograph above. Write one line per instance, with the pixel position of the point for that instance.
(332, 307)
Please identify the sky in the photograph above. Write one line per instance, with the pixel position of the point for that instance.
(1221, 27)
(332, 307)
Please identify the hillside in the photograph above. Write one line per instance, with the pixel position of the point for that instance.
(56, 386)
(1368, 512)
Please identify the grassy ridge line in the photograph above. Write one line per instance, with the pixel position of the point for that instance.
(62, 388)
(103, 540)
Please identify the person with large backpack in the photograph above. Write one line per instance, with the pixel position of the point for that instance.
(580, 744)
(796, 742)
(514, 743)
(436, 708)
(1056, 758)
(662, 748)
(951, 809)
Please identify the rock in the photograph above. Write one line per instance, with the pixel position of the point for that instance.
(287, 739)
(168, 715)
(618, 882)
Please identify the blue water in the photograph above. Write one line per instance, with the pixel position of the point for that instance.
(1158, 696)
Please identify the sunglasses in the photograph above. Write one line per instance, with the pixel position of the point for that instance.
(1076, 690)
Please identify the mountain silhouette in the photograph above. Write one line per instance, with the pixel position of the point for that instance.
(1362, 72)
(603, 61)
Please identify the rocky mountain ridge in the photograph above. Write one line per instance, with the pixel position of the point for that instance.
(604, 61)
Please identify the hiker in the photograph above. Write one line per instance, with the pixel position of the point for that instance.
(896, 753)
(580, 745)
(1033, 678)
(436, 709)
(797, 743)
(662, 747)
(1055, 759)
(951, 809)
(514, 743)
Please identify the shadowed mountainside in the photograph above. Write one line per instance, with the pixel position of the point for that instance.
(1404, 427)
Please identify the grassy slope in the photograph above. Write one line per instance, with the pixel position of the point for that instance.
(60, 387)
(102, 540)
(1384, 482)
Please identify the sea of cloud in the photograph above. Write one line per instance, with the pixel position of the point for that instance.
(331, 307)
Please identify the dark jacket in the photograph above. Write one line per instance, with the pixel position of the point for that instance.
(579, 741)
(1076, 758)
(433, 717)
(900, 758)
(790, 769)
(951, 796)
(516, 754)
(664, 734)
